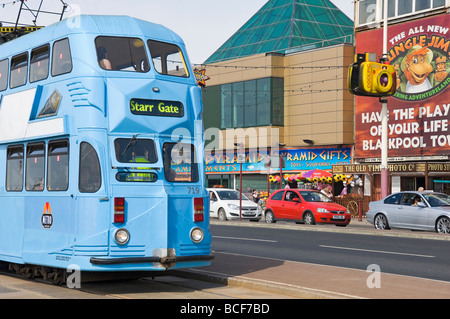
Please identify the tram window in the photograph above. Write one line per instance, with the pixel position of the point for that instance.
(35, 167)
(121, 54)
(58, 165)
(180, 162)
(51, 106)
(19, 70)
(133, 150)
(90, 175)
(61, 57)
(168, 59)
(14, 168)
(3, 74)
(39, 63)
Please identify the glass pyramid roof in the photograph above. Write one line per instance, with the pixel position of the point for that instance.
(288, 25)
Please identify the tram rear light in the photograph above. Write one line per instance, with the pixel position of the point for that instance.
(198, 209)
(119, 210)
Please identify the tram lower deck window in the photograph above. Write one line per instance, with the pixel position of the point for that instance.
(180, 164)
(35, 167)
(14, 168)
(58, 165)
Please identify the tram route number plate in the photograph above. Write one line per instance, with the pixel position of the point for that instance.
(156, 108)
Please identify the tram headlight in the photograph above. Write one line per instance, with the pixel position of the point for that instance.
(122, 236)
(197, 235)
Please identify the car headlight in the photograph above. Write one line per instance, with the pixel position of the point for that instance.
(322, 210)
(197, 235)
(233, 207)
(122, 236)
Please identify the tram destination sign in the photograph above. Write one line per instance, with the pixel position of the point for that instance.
(156, 108)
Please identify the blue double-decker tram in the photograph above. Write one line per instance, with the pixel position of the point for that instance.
(101, 150)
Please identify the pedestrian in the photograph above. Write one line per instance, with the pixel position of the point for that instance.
(255, 196)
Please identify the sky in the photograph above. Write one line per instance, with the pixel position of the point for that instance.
(204, 25)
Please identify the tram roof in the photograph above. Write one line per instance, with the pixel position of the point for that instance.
(92, 24)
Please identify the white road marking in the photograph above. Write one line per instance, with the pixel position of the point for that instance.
(378, 251)
(251, 239)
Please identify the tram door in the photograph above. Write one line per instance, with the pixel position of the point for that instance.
(92, 202)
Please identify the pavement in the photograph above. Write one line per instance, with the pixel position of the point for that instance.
(313, 281)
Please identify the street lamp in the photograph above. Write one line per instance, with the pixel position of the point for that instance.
(241, 159)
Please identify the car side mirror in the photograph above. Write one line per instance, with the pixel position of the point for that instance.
(295, 200)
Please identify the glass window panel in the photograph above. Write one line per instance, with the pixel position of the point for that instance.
(309, 30)
(302, 13)
(367, 11)
(3, 74)
(438, 3)
(180, 163)
(168, 59)
(322, 15)
(263, 102)
(39, 63)
(89, 172)
(14, 168)
(404, 6)
(423, 4)
(133, 150)
(58, 166)
(61, 57)
(250, 103)
(238, 104)
(277, 101)
(121, 54)
(227, 111)
(19, 70)
(35, 167)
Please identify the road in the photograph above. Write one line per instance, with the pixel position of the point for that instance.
(332, 264)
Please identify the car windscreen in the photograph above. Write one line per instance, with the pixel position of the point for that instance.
(315, 197)
(230, 195)
(436, 200)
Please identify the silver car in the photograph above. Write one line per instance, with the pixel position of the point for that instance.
(412, 210)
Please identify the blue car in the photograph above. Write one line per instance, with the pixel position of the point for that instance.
(412, 210)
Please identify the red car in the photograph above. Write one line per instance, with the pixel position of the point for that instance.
(306, 206)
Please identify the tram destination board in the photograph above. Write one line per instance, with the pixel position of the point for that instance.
(156, 108)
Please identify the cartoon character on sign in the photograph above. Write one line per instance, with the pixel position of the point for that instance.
(441, 70)
(416, 66)
(47, 218)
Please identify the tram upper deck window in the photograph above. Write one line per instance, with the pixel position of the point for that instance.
(14, 168)
(61, 57)
(58, 165)
(19, 70)
(4, 74)
(180, 162)
(132, 150)
(121, 54)
(168, 59)
(39, 63)
(35, 167)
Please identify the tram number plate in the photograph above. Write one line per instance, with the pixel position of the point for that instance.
(193, 190)
(338, 217)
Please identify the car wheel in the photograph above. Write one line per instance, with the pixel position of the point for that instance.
(222, 215)
(443, 225)
(381, 222)
(308, 219)
(269, 217)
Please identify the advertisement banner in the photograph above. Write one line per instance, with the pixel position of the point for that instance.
(295, 160)
(419, 112)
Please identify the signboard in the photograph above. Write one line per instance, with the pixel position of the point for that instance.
(295, 160)
(419, 112)
(156, 108)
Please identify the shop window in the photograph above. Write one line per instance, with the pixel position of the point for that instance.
(4, 74)
(121, 54)
(61, 57)
(14, 168)
(35, 167)
(168, 59)
(58, 165)
(19, 70)
(39, 63)
(89, 171)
